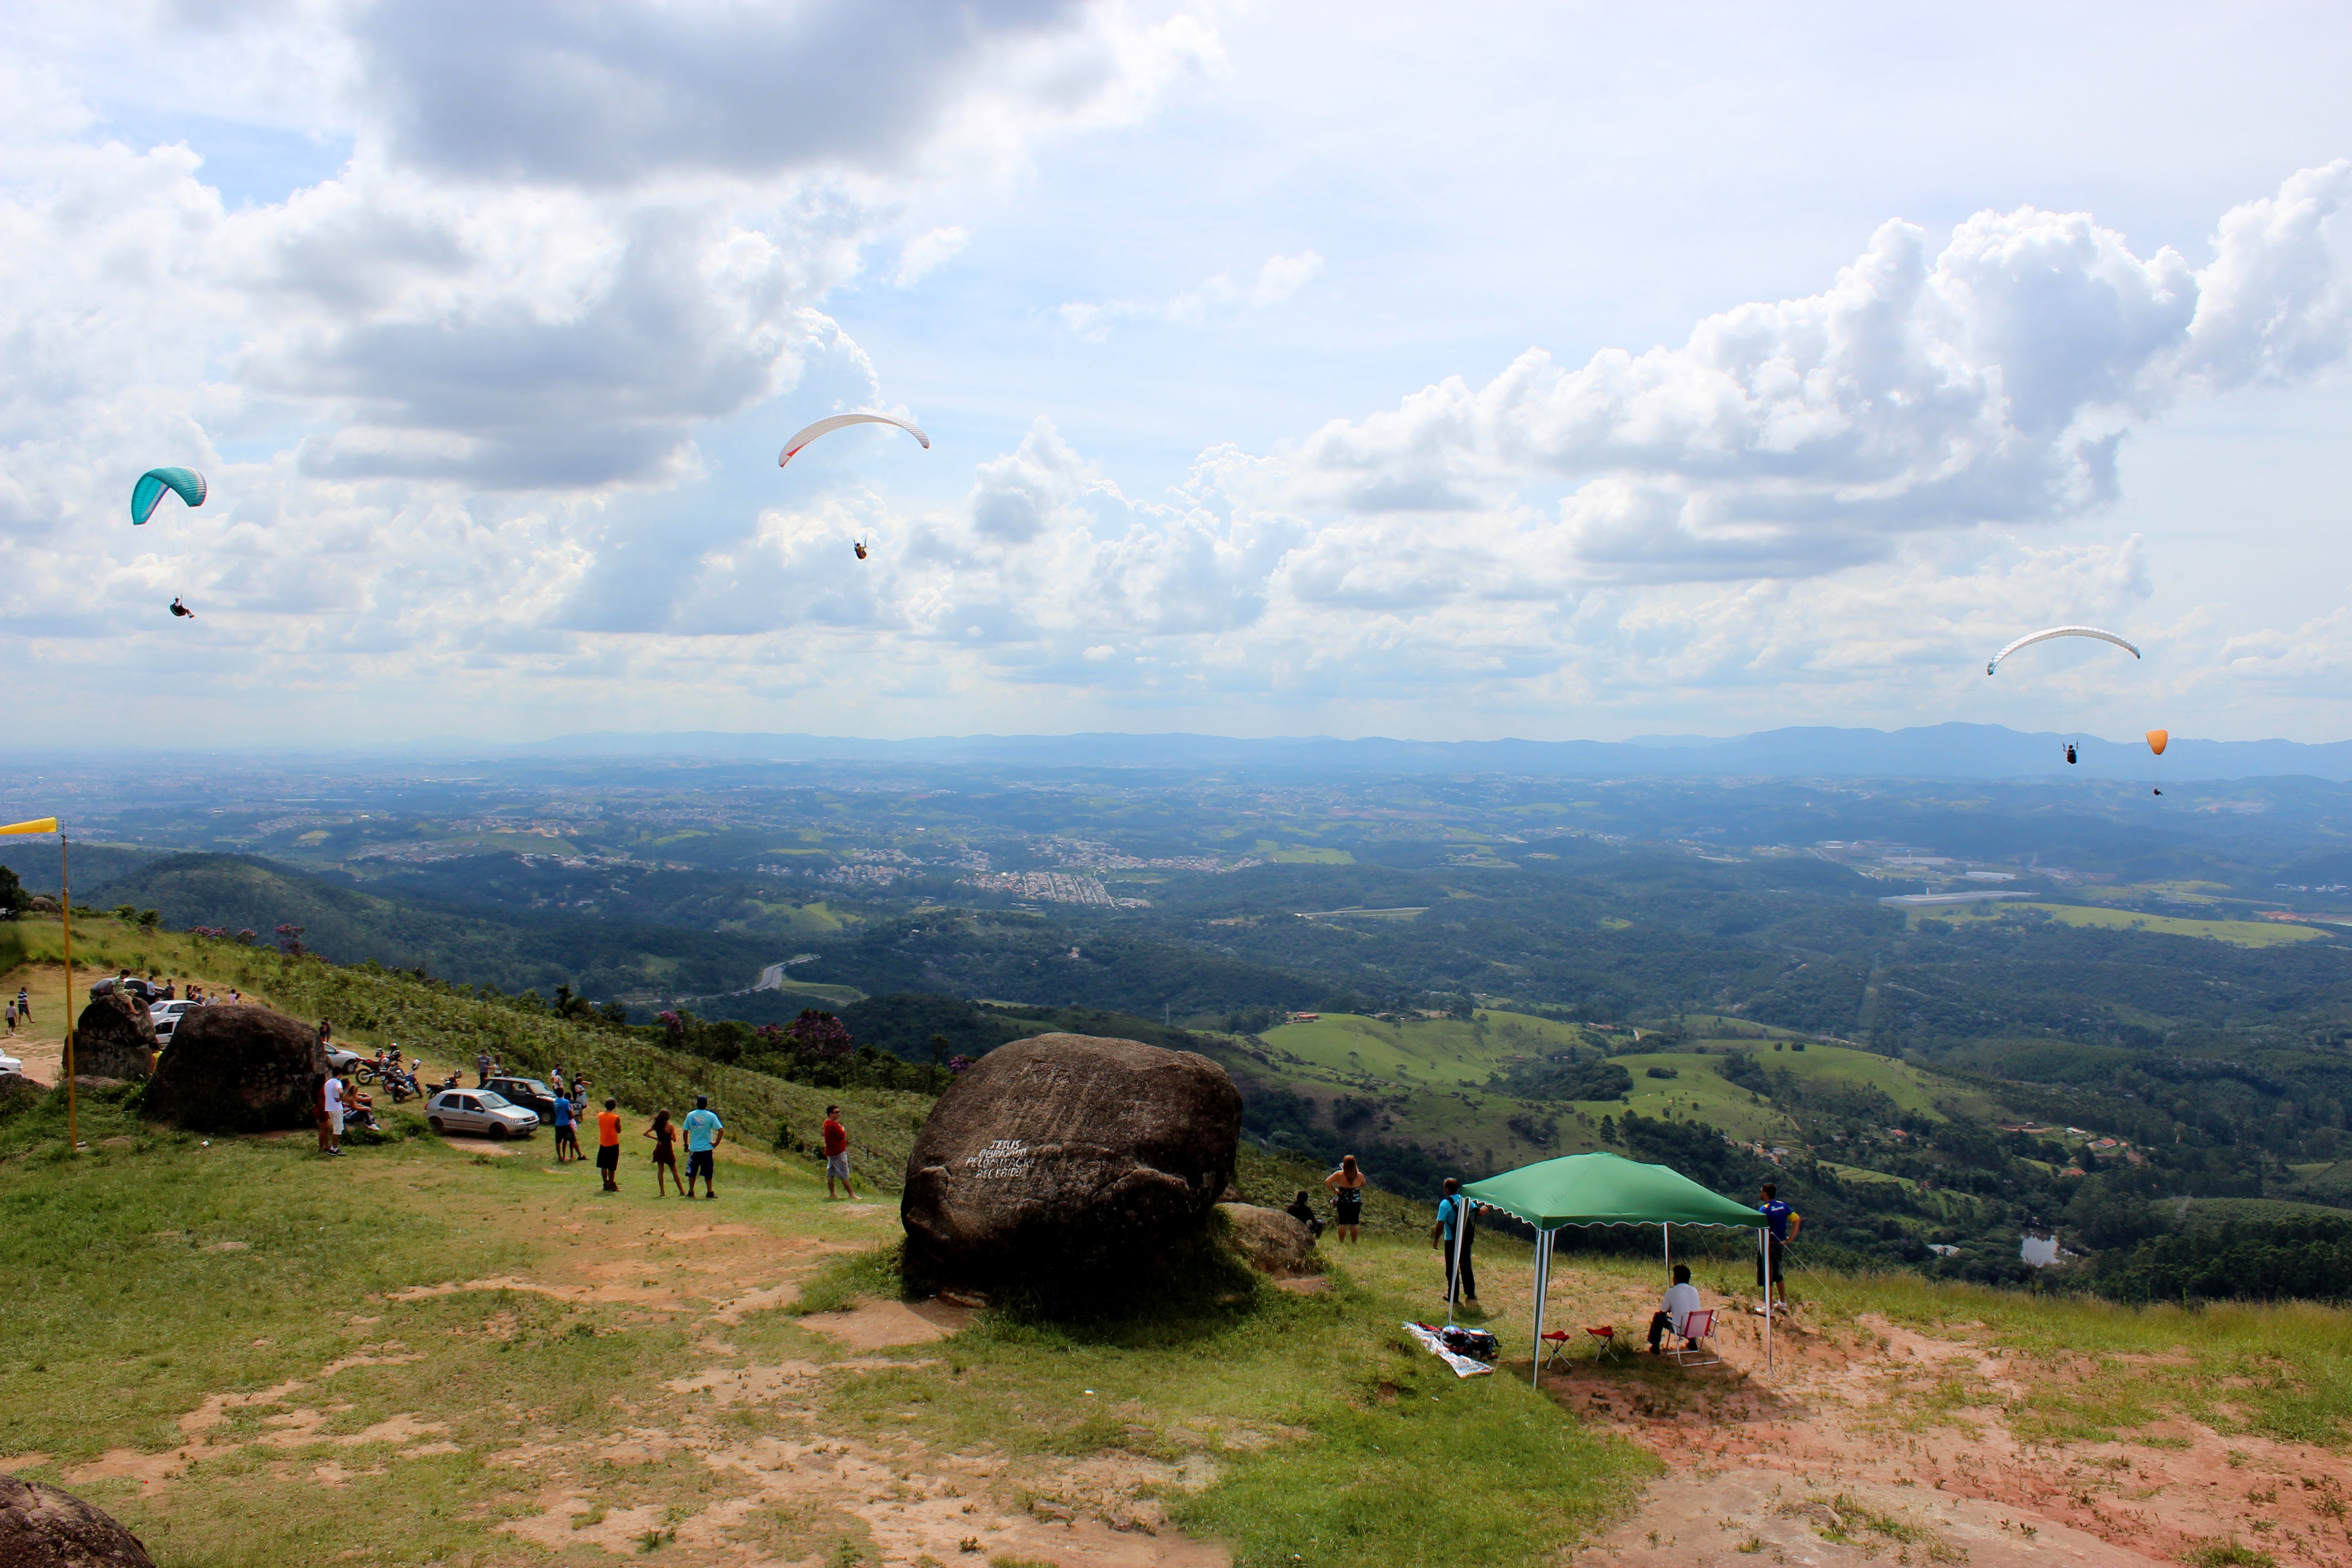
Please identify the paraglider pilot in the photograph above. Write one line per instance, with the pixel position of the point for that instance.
(180, 609)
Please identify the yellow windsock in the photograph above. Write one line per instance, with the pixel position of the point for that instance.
(38, 824)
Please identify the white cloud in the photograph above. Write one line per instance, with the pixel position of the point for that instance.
(927, 252)
(1989, 383)
(1279, 279)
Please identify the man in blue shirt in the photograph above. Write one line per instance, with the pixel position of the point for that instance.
(1781, 1223)
(1453, 1208)
(566, 1138)
(704, 1133)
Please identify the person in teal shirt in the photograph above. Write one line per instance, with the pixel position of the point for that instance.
(704, 1133)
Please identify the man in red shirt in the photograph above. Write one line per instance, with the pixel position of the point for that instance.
(837, 1152)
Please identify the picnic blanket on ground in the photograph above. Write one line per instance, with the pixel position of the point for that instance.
(1461, 1364)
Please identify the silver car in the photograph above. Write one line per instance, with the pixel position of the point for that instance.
(479, 1110)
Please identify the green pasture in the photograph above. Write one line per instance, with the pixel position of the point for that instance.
(1424, 1050)
(2244, 933)
(1696, 1093)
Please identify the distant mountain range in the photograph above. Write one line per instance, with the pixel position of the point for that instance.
(1938, 751)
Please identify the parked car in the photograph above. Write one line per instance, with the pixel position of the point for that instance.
(479, 1110)
(10, 1064)
(341, 1061)
(134, 985)
(167, 1016)
(531, 1093)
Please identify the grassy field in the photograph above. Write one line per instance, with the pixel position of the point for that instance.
(1696, 1093)
(1432, 1074)
(1428, 1050)
(424, 1353)
(2244, 933)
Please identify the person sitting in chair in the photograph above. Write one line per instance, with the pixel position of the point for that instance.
(1682, 1300)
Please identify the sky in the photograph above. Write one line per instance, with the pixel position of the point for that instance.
(1553, 371)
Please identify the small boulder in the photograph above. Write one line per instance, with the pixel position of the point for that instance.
(115, 1038)
(18, 1092)
(1272, 1241)
(1066, 1156)
(236, 1068)
(41, 1527)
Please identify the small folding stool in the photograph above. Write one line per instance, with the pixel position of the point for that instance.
(1605, 1342)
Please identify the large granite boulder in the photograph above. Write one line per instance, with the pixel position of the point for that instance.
(237, 1069)
(1063, 1156)
(1272, 1241)
(115, 1038)
(41, 1527)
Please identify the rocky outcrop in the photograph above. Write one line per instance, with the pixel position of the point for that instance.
(1063, 1156)
(237, 1069)
(41, 1527)
(1271, 1241)
(115, 1037)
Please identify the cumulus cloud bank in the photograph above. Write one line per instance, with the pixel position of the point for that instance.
(1990, 382)
(458, 403)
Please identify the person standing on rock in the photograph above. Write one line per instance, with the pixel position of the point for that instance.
(837, 1153)
(1455, 1209)
(1346, 1187)
(608, 1144)
(704, 1133)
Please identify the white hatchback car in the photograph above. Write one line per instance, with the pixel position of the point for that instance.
(167, 1016)
(479, 1110)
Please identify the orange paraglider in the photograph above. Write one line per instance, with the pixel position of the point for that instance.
(2157, 741)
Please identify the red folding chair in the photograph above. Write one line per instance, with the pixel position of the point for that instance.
(1555, 1349)
(1698, 1329)
(1605, 1342)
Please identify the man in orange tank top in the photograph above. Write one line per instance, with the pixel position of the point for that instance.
(608, 1144)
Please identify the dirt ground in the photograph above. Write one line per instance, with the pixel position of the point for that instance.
(1841, 1458)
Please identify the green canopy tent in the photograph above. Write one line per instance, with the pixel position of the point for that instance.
(1608, 1189)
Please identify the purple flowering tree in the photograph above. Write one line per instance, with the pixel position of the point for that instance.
(821, 1036)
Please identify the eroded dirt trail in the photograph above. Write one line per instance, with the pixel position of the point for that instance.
(1876, 1442)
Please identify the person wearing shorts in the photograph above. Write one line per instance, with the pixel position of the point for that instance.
(665, 1139)
(608, 1144)
(1781, 1227)
(837, 1152)
(704, 1133)
(567, 1136)
(334, 1093)
(1346, 1187)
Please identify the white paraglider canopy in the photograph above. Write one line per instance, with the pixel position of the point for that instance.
(2031, 637)
(840, 421)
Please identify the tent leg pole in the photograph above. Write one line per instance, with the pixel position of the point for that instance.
(1764, 1267)
(1666, 1239)
(1543, 1286)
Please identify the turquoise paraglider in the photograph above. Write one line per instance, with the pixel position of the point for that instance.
(144, 496)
